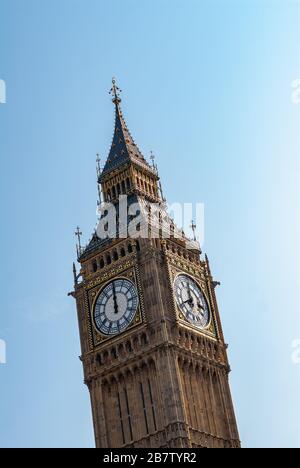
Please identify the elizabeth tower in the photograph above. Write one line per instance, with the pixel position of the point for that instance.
(153, 351)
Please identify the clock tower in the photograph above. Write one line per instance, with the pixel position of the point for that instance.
(152, 347)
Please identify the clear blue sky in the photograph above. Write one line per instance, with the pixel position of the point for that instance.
(207, 87)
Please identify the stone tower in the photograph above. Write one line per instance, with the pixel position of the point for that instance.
(153, 351)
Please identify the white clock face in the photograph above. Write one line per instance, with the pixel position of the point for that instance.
(191, 301)
(116, 307)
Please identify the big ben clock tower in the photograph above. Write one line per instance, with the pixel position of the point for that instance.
(153, 351)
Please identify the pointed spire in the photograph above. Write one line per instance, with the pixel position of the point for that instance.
(207, 264)
(74, 273)
(123, 147)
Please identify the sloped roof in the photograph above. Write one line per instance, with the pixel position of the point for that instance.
(123, 148)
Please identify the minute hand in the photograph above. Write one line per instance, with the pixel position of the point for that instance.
(115, 299)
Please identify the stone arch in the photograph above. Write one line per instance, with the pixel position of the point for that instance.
(144, 339)
(128, 346)
(115, 255)
(108, 259)
(113, 353)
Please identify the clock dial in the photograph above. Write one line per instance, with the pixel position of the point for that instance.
(116, 307)
(191, 301)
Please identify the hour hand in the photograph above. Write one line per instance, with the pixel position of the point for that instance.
(189, 301)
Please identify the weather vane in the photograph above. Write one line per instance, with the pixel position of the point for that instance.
(115, 92)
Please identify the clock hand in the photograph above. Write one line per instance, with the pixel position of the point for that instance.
(189, 291)
(200, 309)
(115, 299)
(190, 301)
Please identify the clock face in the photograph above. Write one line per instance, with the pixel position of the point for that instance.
(191, 301)
(116, 307)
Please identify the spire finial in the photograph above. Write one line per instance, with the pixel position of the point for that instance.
(98, 165)
(115, 92)
(193, 227)
(152, 157)
(154, 165)
(98, 169)
(78, 234)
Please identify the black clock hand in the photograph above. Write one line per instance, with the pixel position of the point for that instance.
(115, 299)
(190, 301)
(189, 291)
(200, 308)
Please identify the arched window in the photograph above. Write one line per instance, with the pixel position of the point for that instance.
(123, 186)
(102, 264)
(99, 359)
(118, 189)
(130, 249)
(116, 256)
(108, 259)
(138, 248)
(144, 339)
(128, 183)
(128, 347)
(123, 253)
(114, 192)
(95, 267)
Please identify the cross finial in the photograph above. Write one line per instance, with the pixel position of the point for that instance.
(193, 227)
(98, 164)
(152, 157)
(78, 234)
(115, 92)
